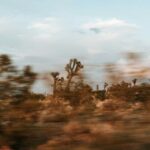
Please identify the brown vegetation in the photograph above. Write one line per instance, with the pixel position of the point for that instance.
(75, 116)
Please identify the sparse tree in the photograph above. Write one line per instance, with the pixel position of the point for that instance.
(134, 81)
(55, 80)
(72, 68)
(14, 83)
(105, 85)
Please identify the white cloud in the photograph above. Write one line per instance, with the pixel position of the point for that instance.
(110, 35)
(47, 24)
(48, 43)
(111, 24)
(45, 28)
(49, 40)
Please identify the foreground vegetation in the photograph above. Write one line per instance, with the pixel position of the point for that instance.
(74, 117)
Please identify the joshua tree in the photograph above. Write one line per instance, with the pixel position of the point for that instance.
(13, 82)
(55, 78)
(97, 87)
(105, 85)
(29, 77)
(6, 74)
(60, 83)
(134, 81)
(72, 68)
(22, 82)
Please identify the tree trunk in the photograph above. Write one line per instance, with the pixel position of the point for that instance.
(68, 84)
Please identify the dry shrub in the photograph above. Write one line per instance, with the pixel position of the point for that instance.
(75, 127)
(30, 106)
(111, 104)
(5, 148)
(55, 103)
(117, 105)
(54, 110)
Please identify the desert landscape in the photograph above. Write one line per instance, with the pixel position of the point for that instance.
(74, 116)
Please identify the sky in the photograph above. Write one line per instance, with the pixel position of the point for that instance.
(47, 33)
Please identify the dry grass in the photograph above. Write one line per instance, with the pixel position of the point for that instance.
(52, 124)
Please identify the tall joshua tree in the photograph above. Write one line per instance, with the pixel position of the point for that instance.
(105, 85)
(29, 77)
(134, 81)
(72, 68)
(55, 78)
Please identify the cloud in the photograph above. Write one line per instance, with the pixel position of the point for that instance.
(41, 42)
(45, 28)
(110, 35)
(52, 41)
(48, 43)
(112, 24)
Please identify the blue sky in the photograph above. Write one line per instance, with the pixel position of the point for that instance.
(46, 33)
